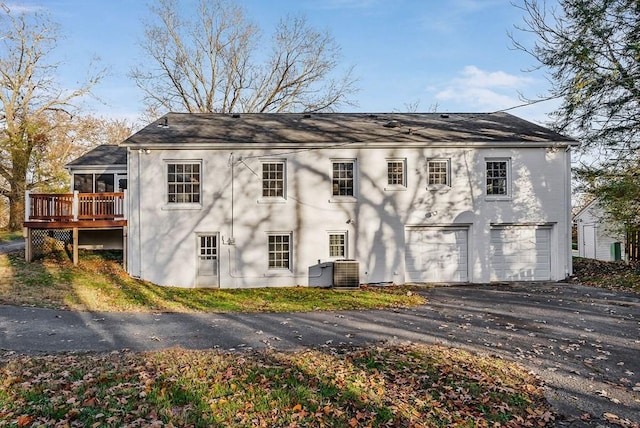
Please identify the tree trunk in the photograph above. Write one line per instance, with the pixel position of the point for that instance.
(17, 189)
(16, 208)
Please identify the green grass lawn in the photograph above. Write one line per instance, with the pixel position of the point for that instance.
(377, 386)
(6, 236)
(412, 386)
(98, 283)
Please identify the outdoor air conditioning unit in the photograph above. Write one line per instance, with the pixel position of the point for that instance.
(346, 274)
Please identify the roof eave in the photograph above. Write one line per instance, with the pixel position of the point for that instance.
(355, 144)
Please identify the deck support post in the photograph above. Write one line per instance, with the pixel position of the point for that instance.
(75, 246)
(124, 248)
(28, 247)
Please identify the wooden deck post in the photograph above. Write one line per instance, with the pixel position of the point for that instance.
(124, 248)
(75, 206)
(27, 205)
(75, 245)
(28, 250)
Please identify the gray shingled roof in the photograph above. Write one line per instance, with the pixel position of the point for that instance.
(296, 129)
(105, 154)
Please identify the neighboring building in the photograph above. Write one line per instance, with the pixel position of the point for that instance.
(253, 200)
(597, 238)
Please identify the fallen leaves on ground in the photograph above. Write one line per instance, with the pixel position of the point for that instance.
(619, 276)
(618, 421)
(412, 386)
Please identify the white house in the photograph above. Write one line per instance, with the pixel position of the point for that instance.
(596, 235)
(253, 200)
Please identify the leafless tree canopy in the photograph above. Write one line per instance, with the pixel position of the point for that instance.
(32, 104)
(212, 60)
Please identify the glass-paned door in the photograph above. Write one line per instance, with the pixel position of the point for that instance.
(207, 275)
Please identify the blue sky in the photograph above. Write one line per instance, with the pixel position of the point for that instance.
(453, 54)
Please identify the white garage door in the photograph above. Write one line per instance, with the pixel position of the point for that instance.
(436, 254)
(520, 253)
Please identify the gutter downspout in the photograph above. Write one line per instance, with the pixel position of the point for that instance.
(568, 233)
(232, 199)
(139, 214)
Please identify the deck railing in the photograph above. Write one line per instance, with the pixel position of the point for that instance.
(74, 206)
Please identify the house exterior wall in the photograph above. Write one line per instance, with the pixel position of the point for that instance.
(163, 237)
(595, 235)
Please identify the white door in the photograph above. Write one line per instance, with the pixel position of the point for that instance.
(207, 259)
(589, 240)
(520, 253)
(436, 254)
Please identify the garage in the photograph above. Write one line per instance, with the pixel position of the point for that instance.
(520, 253)
(436, 254)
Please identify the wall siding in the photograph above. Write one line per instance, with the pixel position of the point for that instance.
(162, 247)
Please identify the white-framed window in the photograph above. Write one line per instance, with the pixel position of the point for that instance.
(338, 245)
(396, 173)
(343, 177)
(274, 179)
(438, 172)
(183, 182)
(279, 249)
(498, 177)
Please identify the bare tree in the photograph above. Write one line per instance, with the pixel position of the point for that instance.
(29, 99)
(211, 60)
(69, 139)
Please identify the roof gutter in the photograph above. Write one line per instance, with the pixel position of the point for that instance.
(355, 144)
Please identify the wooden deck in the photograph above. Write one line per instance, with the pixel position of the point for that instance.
(73, 212)
(81, 208)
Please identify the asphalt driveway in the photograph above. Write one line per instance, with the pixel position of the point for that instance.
(583, 342)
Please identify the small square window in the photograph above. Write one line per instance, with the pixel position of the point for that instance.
(396, 173)
(497, 172)
(338, 245)
(83, 183)
(438, 172)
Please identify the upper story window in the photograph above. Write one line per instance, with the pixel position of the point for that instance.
(498, 177)
(183, 182)
(438, 172)
(279, 251)
(273, 179)
(343, 178)
(396, 173)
